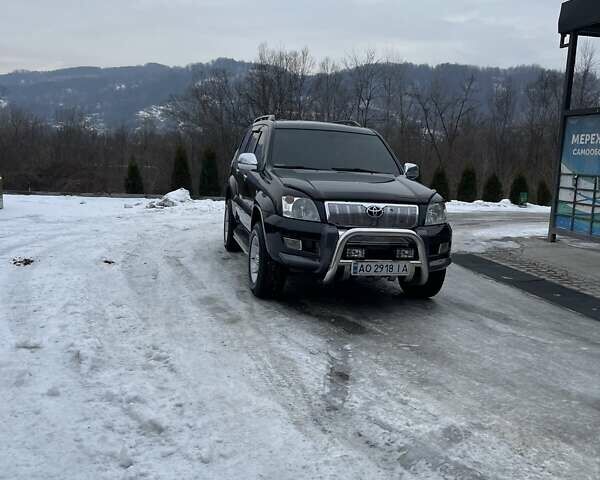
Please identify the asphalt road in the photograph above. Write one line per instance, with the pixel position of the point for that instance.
(168, 367)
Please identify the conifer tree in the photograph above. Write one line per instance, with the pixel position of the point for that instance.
(467, 188)
(440, 183)
(181, 177)
(133, 182)
(209, 176)
(518, 186)
(493, 190)
(544, 197)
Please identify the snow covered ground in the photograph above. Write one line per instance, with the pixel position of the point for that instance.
(503, 206)
(481, 226)
(132, 348)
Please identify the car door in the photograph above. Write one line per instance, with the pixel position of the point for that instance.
(244, 200)
(252, 180)
(236, 175)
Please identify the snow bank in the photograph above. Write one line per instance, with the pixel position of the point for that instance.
(505, 205)
(109, 209)
(179, 196)
(172, 199)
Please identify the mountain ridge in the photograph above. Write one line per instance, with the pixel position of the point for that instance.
(118, 96)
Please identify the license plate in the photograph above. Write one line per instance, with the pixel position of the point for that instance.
(381, 269)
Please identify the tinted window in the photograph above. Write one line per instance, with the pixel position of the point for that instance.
(260, 147)
(330, 150)
(252, 143)
(244, 141)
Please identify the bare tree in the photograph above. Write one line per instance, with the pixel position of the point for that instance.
(212, 110)
(586, 86)
(502, 105)
(277, 83)
(328, 94)
(443, 114)
(299, 66)
(363, 73)
(541, 122)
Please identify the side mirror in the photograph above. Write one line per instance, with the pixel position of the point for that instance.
(411, 171)
(247, 162)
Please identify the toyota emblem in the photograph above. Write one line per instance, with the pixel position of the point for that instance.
(374, 211)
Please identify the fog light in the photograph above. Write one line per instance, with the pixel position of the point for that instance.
(405, 253)
(292, 243)
(444, 248)
(356, 253)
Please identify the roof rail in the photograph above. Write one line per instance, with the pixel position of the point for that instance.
(350, 123)
(270, 118)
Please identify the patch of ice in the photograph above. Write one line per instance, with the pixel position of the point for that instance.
(583, 245)
(479, 240)
(474, 246)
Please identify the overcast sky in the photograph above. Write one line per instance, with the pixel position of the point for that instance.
(44, 34)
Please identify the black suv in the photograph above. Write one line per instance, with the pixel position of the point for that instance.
(332, 199)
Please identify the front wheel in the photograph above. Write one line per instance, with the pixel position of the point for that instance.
(266, 277)
(430, 289)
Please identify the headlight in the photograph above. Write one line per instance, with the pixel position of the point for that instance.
(436, 213)
(300, 208)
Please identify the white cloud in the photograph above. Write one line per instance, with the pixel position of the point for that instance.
(177, 32)
(461, 17)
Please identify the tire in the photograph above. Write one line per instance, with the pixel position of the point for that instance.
(266, 277)
(229, 225)
(430, 289)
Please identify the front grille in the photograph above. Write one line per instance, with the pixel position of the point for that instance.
(354, 215)
(382, 252)
(371, 239)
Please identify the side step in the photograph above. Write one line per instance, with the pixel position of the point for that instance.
(242, 238)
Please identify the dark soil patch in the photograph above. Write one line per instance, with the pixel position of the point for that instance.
(22, 262)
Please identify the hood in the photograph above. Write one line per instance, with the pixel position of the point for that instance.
(354, 186)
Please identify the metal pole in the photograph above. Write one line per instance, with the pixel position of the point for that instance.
(567, 94)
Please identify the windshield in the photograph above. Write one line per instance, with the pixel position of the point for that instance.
(331, 150)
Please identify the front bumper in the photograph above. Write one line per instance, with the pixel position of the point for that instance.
(325, 245)
(422, 263)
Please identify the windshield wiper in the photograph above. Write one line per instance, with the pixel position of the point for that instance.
(295, 167)
(336, 169)
(361, 170)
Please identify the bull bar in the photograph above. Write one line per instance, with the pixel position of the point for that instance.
(347, 235)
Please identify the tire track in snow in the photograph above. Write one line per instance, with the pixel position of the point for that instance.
(221, 313)
(261, 340)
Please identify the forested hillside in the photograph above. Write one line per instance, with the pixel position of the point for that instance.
(472, 130)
